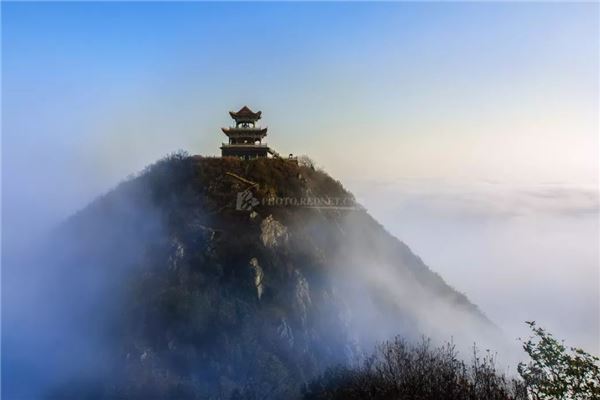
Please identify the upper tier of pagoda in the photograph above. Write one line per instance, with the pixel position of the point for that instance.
(245, 115)
(245, 126)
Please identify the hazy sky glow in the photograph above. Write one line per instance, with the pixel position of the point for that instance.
(469, 129)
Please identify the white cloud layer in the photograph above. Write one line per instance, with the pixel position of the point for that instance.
(521, 252)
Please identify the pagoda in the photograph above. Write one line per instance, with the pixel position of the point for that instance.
(245, 138)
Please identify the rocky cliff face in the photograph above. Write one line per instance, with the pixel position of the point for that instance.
(176, 291)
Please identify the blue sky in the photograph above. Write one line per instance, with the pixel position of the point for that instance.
(448, 80)
(416, 107)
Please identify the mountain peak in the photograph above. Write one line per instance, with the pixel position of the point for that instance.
(221, 274)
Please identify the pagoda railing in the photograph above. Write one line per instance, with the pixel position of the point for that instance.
(246, 144)
(239, 128)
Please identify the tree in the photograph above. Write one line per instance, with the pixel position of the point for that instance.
(306, 161)
(557, 373)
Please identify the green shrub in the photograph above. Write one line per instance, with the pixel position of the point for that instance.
(556, 373)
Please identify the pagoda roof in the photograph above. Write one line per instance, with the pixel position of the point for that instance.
(249, 132)
(245, 114)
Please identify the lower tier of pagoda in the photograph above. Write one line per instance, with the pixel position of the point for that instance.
(245, 151)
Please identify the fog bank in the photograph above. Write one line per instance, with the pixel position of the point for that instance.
(527, 252)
